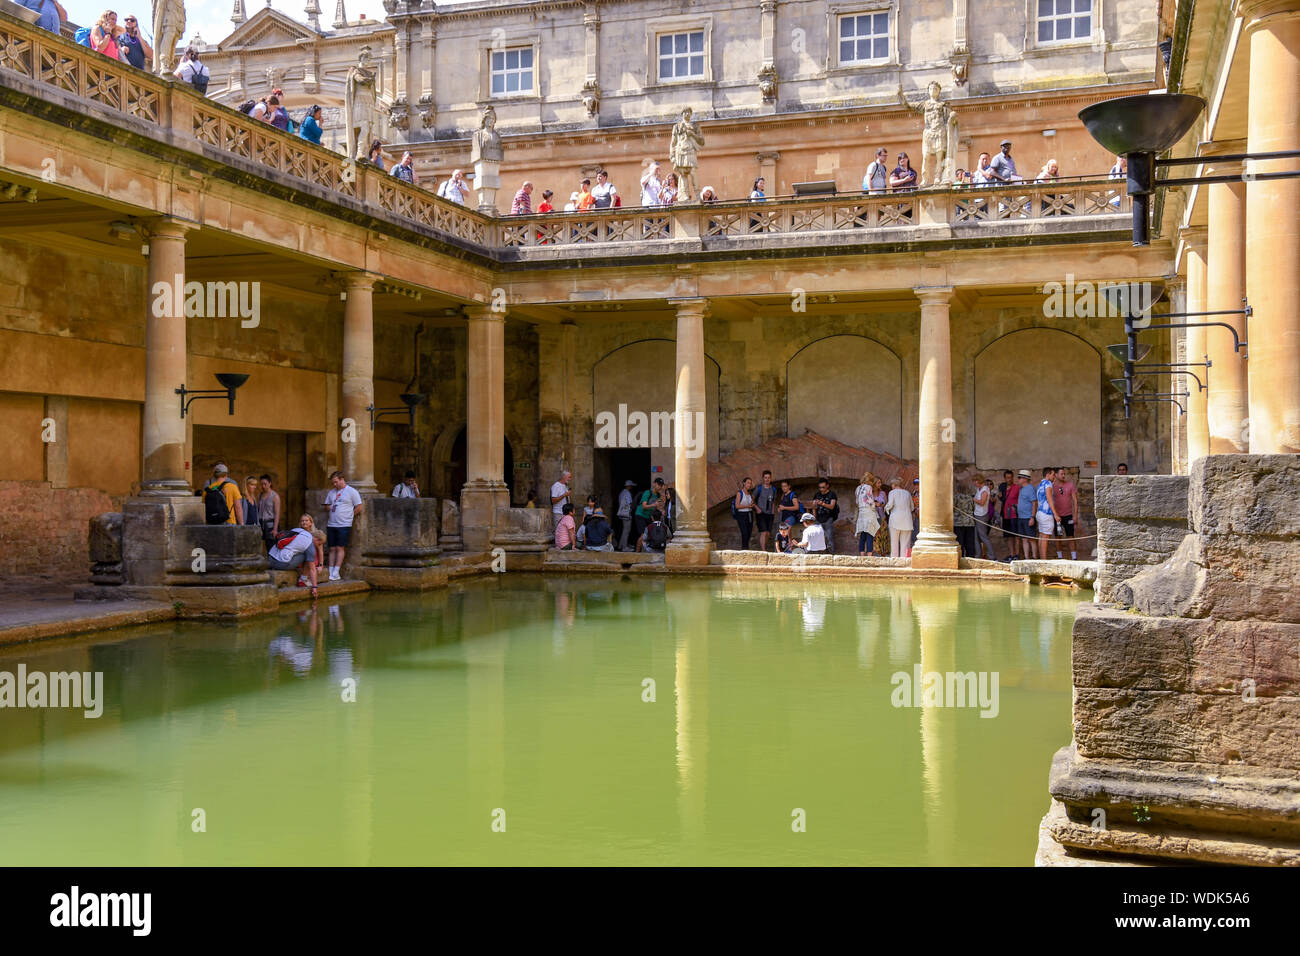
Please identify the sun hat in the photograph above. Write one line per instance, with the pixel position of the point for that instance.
(629, 483)
(807, 517)
(1024, 473)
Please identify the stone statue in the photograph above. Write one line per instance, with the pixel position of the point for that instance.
(767, 83)
(591, 97)
(683, 153)
(939, 140)
(486, 145)
(168, 30)
(359, 102)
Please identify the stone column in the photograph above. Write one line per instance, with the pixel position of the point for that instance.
(1176, 287)
(1225, 289)
(1272, 28)
(557, 353)
(485, 489)
(54, 434)
(358, 454)
(164, 472)
(767, 50)
(936, 545)
(690, 544)
(1198, 423)
(767, 169)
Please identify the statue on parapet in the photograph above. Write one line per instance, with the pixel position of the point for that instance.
(684, 154)
(359, 102)
(939, 140)
(168, 31)
(486, 145)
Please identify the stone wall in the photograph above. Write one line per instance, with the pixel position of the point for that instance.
(1141, 520)
(43, 530)
(1187, 688)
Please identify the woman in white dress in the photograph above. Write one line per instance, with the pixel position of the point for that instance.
(899, 508)
(867, 524)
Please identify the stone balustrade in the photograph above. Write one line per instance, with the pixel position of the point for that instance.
(51, 68)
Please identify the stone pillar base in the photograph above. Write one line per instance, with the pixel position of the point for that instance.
(936, 549)
(244, 600)
(479, 503)
(688, 549)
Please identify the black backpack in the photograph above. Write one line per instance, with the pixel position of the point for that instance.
(656, 536)
(215, 509)
(199, 80)
(247, 106)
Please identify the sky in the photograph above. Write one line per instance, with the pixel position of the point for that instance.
(211, 18)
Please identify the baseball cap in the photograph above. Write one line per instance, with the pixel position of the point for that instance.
(629, 483)
(1005, 142)
(807, 517)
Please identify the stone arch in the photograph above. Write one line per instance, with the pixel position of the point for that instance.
(642, 375)
(1031, 376)
(444, 470)
(848, 387)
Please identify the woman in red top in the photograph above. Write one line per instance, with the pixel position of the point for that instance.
(546, 201)
(103, 38)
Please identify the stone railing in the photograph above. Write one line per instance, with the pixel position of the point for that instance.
(53, 68)
(1018, 202)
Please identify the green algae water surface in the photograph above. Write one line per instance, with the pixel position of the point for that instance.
(530, 720)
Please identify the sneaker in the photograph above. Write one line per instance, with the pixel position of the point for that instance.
(303, 583)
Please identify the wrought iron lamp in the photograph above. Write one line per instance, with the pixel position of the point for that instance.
(409, 402)
(229, 382)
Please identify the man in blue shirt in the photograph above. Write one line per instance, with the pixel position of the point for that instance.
(1046, 514)
(1003, 167)
(51, 14)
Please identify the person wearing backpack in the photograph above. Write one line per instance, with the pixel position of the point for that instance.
(193, 72)
(826, 509)
(651, 501)
(221, 497)
(103, 35)
(655, 537)
(295, 548)
(277, 115)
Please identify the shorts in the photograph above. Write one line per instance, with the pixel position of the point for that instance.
(338, 537)
(1046, 523)
(294, 562)
(764, 523)
(1025, 527)
(1067, 525)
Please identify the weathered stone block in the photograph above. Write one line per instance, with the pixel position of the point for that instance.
(1146, 497)
(1245, 495)
(1198, 728)
(401, 533)
(523, 529)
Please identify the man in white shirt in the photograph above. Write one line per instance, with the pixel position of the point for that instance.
(876, 180)
(651, 186)
(455, 189)
(603, 191)
(406, 488)
(299, 551)
(624, 514)
(560, 496)
(344, 505)
(899, 508)
(814, 538)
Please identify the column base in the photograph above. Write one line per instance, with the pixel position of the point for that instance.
(479, 503)
(936, 549)
(688, 549)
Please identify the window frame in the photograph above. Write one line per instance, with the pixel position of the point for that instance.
(836, 12)
(1071, 40)
(1034, 48)
(663, 26)
(487, 47)
(676, 57)
(840, 19)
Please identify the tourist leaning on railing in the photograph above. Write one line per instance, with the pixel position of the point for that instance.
(133, 47)
(193, 72)
(311, 130)
(51, 14)
(103, 35)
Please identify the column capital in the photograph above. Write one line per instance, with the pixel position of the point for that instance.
(692, 306)
(1254, 12)
(1194, 237)
(355, 281)
(934, 294)
(480, 312)
(1175, 284)
(771, 156)
(165, 227)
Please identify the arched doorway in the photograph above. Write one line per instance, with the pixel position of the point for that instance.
(457, 467)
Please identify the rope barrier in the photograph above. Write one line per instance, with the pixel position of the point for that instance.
(1028, 537)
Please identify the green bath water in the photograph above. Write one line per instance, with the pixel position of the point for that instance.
(530, 720)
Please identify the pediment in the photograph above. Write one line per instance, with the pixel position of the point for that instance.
(267, 28)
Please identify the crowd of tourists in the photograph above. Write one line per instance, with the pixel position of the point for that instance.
(302, 547)
(642, 522)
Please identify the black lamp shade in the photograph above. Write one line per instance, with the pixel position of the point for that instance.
(231, 380)
(1146, 123)
(411, 399)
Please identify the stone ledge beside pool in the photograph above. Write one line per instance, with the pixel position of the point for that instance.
(1079, 573)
